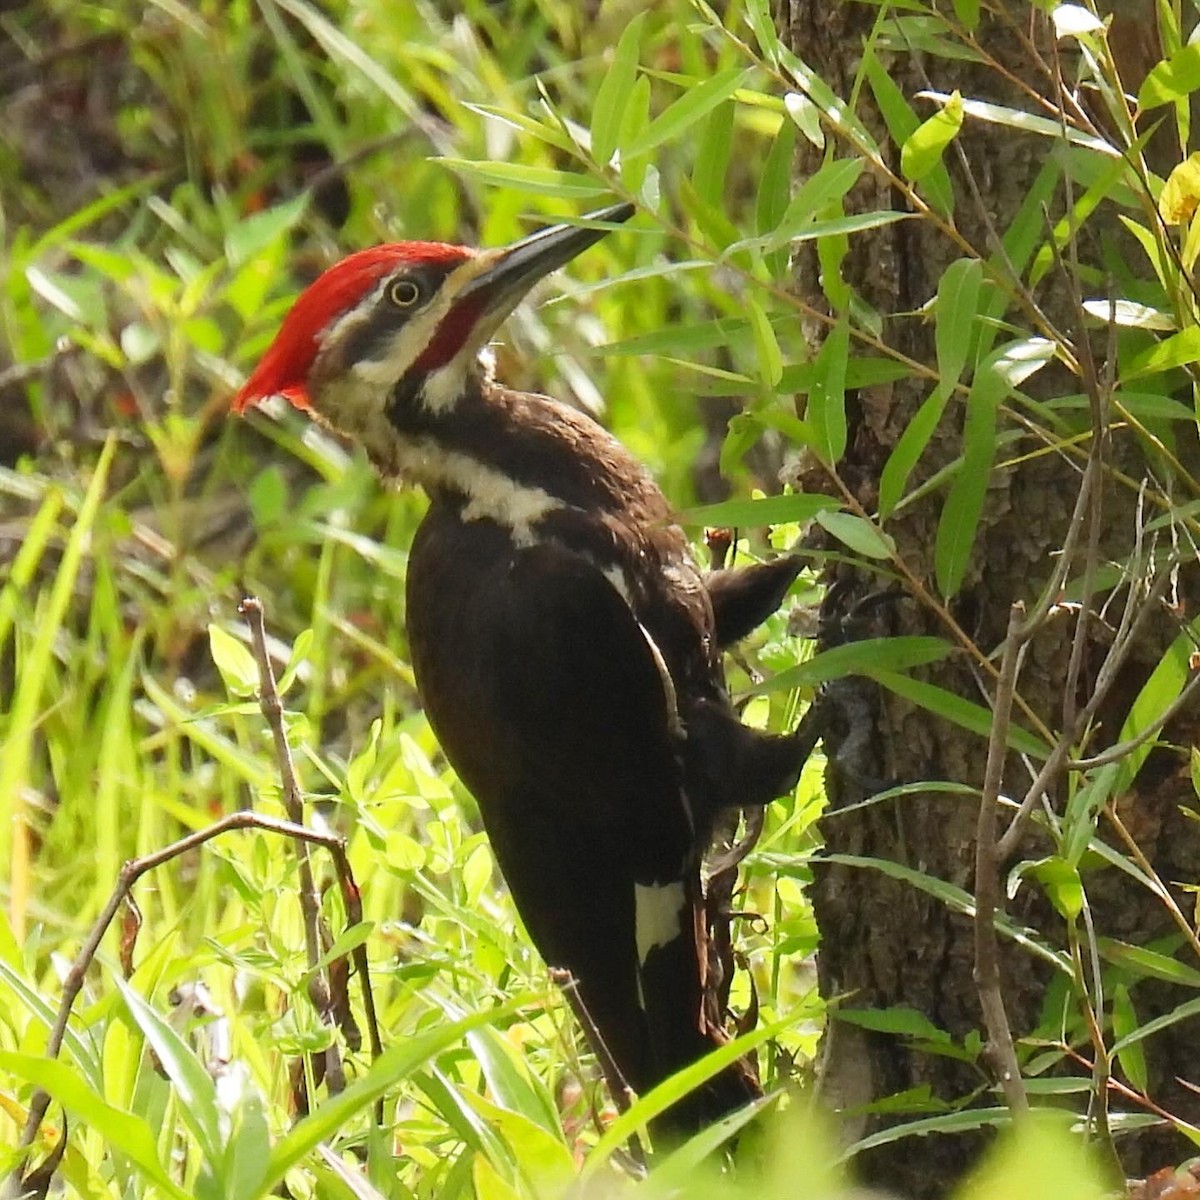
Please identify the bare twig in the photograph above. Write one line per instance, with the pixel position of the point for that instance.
(316, 937)
(129, 874)
(619, 1089)
(988, 897)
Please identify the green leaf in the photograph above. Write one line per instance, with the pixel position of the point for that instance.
(774, 188)
(825, 410)
(923, 151)
(806, 117)
(712, 158)
(908, 450)
(1015, 118)
(967, 11)
(695, 104)
(865, 657)
(770, 359)
(956, 309)
(256, 232)
(123, 1132)
(1179, 350)
(796, 507)
(542, 181)
(956, 899)
(385, 1072)
(1148, 964)
(902, 122)
(1063, 885)
(964, 502)
(860, 535)
(235, 662)
(964, 713)
(1125, 1024)
(815, 195)
(908, 1022)
(1174, 79)
(195, 1087)
(614, 92)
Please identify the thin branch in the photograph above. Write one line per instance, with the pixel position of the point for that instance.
(129, 874)
(619, 1089)
(1000, 1049)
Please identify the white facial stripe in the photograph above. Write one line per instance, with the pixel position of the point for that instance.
(658, 911)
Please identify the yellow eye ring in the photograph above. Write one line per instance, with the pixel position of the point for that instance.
(403, 293)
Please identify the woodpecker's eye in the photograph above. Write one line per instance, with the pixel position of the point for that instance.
(404, 293)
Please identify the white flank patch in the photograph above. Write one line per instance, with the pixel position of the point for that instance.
(657, 910)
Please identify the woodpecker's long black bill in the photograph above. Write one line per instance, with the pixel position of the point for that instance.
(523, 263)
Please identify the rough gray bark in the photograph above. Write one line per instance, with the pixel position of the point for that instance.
(884, 943)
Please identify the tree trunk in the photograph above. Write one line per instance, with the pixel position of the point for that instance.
(885, 942)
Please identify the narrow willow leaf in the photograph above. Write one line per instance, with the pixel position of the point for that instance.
(924, 149)
(542, 181)
(1016, 118)
(552, 135)
(757, 514)
(902, 122)
(806, 116)
(770, 359)
(1149, 246)
(908, 450)
(1132, 1056)
(614, 92)
(967, 11)
(826, 408)
(859, 535)
(774, 187)
(864, 657)
(712, 159)
(762, 21)
(821, 189)
(634, 124)
(1148, 964)
(1174, 79)
(965, 713)
(695, 104)
(964, 502)
(1130, 315)
(833, 110)
(957, 307)
(1179, 350)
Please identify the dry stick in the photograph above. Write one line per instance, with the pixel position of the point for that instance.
(1000, 1049)
(319, 989)
(619, 1089)
(131, 871)
(1185, 926)
(1105, 679)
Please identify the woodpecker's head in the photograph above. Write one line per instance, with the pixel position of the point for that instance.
(413, 316)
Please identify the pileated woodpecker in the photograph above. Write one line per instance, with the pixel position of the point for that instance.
(565, 644)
